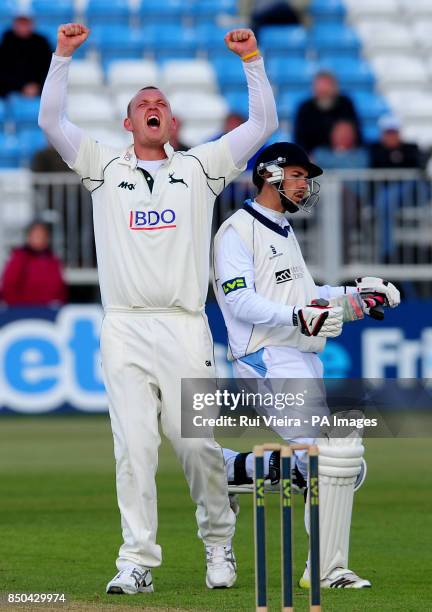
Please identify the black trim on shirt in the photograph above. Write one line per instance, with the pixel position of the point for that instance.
(148, 177)
(102, 180)
(282, 231)
(209, 178)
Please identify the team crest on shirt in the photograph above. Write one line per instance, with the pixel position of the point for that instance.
(173, 180)
(152, 219)
(234, 284)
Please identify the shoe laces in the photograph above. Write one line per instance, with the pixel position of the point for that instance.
(217, 556)
(135, 573)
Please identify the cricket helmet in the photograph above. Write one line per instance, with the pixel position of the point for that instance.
(270, 162)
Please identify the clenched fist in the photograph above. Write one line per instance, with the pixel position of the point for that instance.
(242, 42)
(70, 36)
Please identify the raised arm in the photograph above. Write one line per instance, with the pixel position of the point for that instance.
(245, 140)
(62, 134)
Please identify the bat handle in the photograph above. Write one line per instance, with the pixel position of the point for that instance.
(377, 312)
(375, 305)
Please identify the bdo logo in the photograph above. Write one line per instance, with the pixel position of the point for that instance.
(151, 219)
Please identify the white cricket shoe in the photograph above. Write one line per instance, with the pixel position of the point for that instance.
(131, 580)
(221, 567)
(339, 578)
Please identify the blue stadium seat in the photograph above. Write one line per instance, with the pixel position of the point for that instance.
(3, 28)
(369, 105)
(118, 41)
(175, 42)
(2, 112)
(238, 102)
(30, 141)
(370, 131)
(288, 39)
(47, 11)
(230, 73)
(49, 31)
(336, 37)
(7, 10)
(162, 12)
(211, 38)
(23, 111)
(279, 136)
(107, 12)
(297, 73)
(289, 101)
(351, 72)
(327, 11)
(9, 151)
(206, 9)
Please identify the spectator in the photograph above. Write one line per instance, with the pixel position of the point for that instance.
(344, 150)
(345, 153)
(392, 196)
(24, 58)
(272, 12)
(316, 116)
(48, 160)
(33, 274)
(391, 152)
(57, 198)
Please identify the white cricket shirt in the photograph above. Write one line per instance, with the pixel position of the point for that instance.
(153, 237)
(256, 255)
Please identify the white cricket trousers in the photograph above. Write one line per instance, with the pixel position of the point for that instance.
(145, 354)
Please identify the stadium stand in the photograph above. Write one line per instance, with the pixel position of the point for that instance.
(378, 50)
(132, 75)
(85, 75)
(396, 36)
(128, 49)
(189, 75)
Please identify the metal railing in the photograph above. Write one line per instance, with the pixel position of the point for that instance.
(367, 221)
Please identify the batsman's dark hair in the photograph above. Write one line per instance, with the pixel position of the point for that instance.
(142, 89)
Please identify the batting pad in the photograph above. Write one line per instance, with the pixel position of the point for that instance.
(339, 464)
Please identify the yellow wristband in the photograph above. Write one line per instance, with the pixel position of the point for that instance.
(249, 55)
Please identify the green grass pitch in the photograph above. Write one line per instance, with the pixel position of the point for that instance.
(60, 528)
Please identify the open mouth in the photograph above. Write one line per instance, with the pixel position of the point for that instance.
(153, 121)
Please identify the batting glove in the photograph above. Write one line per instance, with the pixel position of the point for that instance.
(319, 319)
(370, 286)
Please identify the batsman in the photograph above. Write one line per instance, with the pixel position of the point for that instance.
(278, 321)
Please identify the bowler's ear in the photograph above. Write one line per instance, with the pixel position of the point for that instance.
(174, 126)
(127, 124)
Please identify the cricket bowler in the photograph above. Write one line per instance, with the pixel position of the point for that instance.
(276, 328)
(152, 211)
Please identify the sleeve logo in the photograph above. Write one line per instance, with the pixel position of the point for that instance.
(234, 284)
